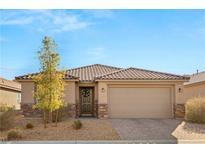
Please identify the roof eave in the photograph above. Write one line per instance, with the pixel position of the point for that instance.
(30, 80)
(143, 80)
(194, 83)
(11, 88)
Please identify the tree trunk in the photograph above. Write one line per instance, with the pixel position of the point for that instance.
(50, 117)
(44, 118)
(56, 118)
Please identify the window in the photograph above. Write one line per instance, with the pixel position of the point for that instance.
(18, 97)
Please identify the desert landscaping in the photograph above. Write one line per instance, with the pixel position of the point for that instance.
(110, 130)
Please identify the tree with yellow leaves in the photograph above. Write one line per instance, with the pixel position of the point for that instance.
(49, 82)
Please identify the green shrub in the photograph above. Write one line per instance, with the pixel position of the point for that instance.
(14, 135)
(195, 110)
(7, 116)
(29, 125)
(77, 124)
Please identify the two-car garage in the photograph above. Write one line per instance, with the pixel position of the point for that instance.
(140, 101)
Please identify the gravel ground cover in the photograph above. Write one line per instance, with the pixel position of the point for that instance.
(92, 129)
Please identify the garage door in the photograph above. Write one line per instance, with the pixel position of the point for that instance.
(140, 102)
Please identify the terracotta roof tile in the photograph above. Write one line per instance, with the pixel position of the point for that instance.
(84, 74)
(88, 73)
(139, 74)
(31, 75)
(103, 72)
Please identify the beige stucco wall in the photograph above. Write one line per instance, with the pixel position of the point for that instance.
(175, 94)
(179, 93)
(27, 91)
(70, 92)
(10, 98)
(102, 93)
(194, 90)
(103, 88)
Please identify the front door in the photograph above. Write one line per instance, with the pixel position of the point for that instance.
(86, 101)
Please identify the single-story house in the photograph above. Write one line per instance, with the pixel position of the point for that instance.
(105, 91)
(195, 87)
(10, 93)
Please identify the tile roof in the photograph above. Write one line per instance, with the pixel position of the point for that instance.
(8, 84)
(103, 72)
(31, 75)
(196, 78)
(140, 74)
(88, 73)
(84, 73)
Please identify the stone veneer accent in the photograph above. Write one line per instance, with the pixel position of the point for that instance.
(102, 111)
(28, 111)
(95, 108)
(74, 110)
(179, 111)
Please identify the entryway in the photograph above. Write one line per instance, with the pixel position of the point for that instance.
(86, 101)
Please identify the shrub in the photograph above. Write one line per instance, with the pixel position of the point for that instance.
(77, 124)
(7, 116)
(14, 135)
(195, 110)
(4, 107)
(29, 126)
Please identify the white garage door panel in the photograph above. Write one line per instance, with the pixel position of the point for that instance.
(140, 102)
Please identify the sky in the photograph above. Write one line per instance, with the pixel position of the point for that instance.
(170, 41)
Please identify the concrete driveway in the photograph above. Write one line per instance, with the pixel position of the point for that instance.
(146, 130)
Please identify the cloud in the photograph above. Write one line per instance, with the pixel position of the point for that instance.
(20, 21)
(44, 20)
(12, 17)
(54, 20)
(97, 53)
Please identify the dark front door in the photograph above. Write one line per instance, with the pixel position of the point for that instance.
(86, 101)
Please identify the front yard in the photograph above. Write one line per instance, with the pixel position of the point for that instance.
(123, 130)
(92, 129)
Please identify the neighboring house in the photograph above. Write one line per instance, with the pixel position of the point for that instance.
(195, 87)
(10, 93)
(104, 91)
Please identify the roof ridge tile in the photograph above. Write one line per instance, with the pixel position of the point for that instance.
(91, 65)
(110, 73)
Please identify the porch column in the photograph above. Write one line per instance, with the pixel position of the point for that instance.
(102, 100)
(179, 108)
